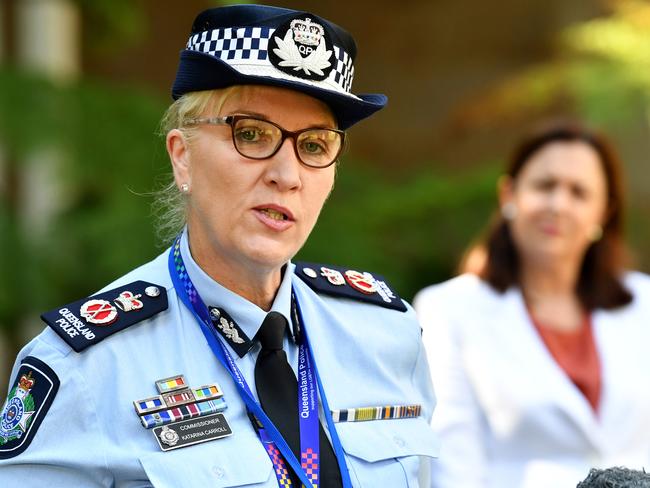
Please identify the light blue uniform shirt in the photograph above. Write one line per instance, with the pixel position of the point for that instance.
(91, 436)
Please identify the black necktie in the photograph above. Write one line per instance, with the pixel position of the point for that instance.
(277, 389)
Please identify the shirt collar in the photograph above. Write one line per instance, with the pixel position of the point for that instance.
(247, 315)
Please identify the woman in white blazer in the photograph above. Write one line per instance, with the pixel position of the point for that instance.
(541, 355)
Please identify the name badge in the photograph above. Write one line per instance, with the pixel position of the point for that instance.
(193, 431)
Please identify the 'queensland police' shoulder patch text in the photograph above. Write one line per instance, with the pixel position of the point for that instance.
(91, 320)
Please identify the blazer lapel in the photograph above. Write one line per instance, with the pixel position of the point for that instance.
(546, 371)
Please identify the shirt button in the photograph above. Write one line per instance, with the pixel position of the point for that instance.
(218, 472)
(399, 441)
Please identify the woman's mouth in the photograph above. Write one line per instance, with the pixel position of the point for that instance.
(275, 217)
(274, 214)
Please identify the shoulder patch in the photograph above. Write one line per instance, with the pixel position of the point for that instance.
(29, 399)
(348, 283)
(91, 320)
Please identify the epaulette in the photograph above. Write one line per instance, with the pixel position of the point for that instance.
(348, 283)
(91, 320)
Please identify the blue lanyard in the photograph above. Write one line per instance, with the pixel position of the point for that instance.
(336, 441)
(307, 398)
(308, 416)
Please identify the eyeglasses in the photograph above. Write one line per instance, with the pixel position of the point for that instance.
(260, 139)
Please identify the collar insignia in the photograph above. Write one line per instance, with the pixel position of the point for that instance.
(230, 331)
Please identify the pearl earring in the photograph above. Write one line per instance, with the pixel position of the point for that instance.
(509, 211)
(185, 188)
(597, 233)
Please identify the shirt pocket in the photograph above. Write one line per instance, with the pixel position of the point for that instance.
(387, 452)
(239, 460)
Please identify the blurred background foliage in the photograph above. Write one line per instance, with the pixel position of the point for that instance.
(602, 67)
(109, 151)
(410, 220)
(115, 23)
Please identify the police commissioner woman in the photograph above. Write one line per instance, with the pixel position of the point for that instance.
(539, 353)
(221, 362)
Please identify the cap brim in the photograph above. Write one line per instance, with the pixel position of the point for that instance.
(199, 71)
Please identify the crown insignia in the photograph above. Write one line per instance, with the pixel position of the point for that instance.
(26, 382)
(307, 32)
(127, 301)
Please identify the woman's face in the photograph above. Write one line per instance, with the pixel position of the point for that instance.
(253, 213)
(560, 197)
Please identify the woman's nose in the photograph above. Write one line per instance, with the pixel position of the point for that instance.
(284, 167)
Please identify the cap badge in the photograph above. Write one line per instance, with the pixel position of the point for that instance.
(302, 50)
(98, 312)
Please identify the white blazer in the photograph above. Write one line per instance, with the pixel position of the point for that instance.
(507, 414)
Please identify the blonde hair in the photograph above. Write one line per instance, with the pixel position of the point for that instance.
(169, 204)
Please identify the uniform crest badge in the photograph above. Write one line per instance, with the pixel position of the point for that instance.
(98, 312)
(28, 401)
(302, 49)
(18, 412)
(168, 436)
(363, 282)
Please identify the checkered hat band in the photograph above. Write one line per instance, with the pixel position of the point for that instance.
(246, 47)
